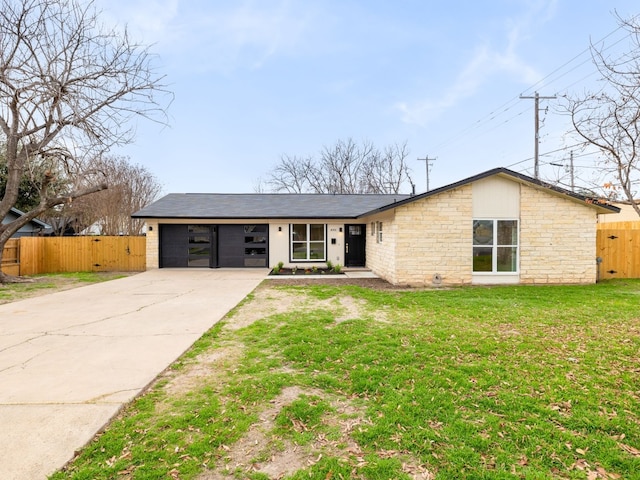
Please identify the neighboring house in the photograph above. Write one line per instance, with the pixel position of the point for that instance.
(32, 229)
(496, 227)
(627, 213)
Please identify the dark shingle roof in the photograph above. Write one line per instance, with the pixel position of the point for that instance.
(269, 205)
(289, 205)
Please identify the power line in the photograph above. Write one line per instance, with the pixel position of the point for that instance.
(509, 104)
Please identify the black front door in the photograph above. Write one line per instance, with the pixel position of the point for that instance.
(354, 245)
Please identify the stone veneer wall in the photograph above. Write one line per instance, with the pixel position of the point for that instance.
(380, 257)
(153, 244)
(427, 237)
(557, 239)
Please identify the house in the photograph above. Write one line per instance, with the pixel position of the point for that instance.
(627, 213)
(496, 227)
(32, 229)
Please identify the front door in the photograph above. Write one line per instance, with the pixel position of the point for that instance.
(354, 245)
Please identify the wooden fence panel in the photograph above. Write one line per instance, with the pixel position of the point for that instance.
(10, 257)
(619, 225)
(619, 250)
(80, 254)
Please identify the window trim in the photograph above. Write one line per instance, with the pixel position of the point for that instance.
(494, 247)
(308, 241)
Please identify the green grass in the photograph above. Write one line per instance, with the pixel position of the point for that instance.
(49, 282)
(536, 382)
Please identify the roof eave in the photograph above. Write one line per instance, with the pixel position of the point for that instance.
(598, 204)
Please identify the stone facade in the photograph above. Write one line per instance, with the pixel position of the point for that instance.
(381, 255)
(426, 242)
(153, 249)
(429, 241)
(557, 239)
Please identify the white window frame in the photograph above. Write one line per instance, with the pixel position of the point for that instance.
(379, 230)
(308, 243)
(494, 247)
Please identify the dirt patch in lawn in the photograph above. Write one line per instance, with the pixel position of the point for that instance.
(206, 369)
(256, 452)
(271, 301)
(262, 449)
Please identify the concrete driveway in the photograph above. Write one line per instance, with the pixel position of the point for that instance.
(70, 360)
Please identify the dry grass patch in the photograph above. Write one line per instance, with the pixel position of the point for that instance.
(268, 301)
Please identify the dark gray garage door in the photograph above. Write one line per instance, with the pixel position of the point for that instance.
(214, 246)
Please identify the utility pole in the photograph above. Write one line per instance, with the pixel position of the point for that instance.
(427, 162)
(536, 162)
(573, 186)
(570, 169)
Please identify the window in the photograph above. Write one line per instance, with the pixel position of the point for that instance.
(199, 246)
(373, 228)
(308, 242)
(495, 246)
(255, 245)
(379, 229)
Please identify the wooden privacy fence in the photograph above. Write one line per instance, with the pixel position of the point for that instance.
(11, 257)
(74, 254)
(618, 245)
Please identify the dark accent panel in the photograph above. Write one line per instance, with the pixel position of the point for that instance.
(173, 246)
(231, 245)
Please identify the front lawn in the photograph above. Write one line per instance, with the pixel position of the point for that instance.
(46, 283)
(330, 382)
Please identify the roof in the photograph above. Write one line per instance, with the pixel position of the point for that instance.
(601, 205)
(291, 205)
(18, 213)
(264, 205)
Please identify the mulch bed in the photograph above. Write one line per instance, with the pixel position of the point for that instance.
(301, 280)
(305, 272)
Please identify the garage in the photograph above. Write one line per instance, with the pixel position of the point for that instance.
(213, 246)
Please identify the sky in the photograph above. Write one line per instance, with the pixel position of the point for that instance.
(255, 80)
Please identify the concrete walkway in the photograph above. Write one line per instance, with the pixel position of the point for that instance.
(70, 360)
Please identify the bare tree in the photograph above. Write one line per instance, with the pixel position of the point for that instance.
(291, 175)
(608, 119)
(131, 188)
(68, 88)
(345, 167)
(388, 172)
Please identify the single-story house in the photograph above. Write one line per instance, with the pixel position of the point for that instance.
(627, 213)
(496, 227)
(34, 228)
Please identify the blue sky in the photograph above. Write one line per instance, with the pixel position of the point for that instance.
(254, 80)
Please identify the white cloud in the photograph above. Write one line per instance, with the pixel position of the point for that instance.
(486, 63)
(221, 36)
(147, 20)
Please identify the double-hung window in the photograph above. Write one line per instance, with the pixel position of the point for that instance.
(308, 242)
(495, 246)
